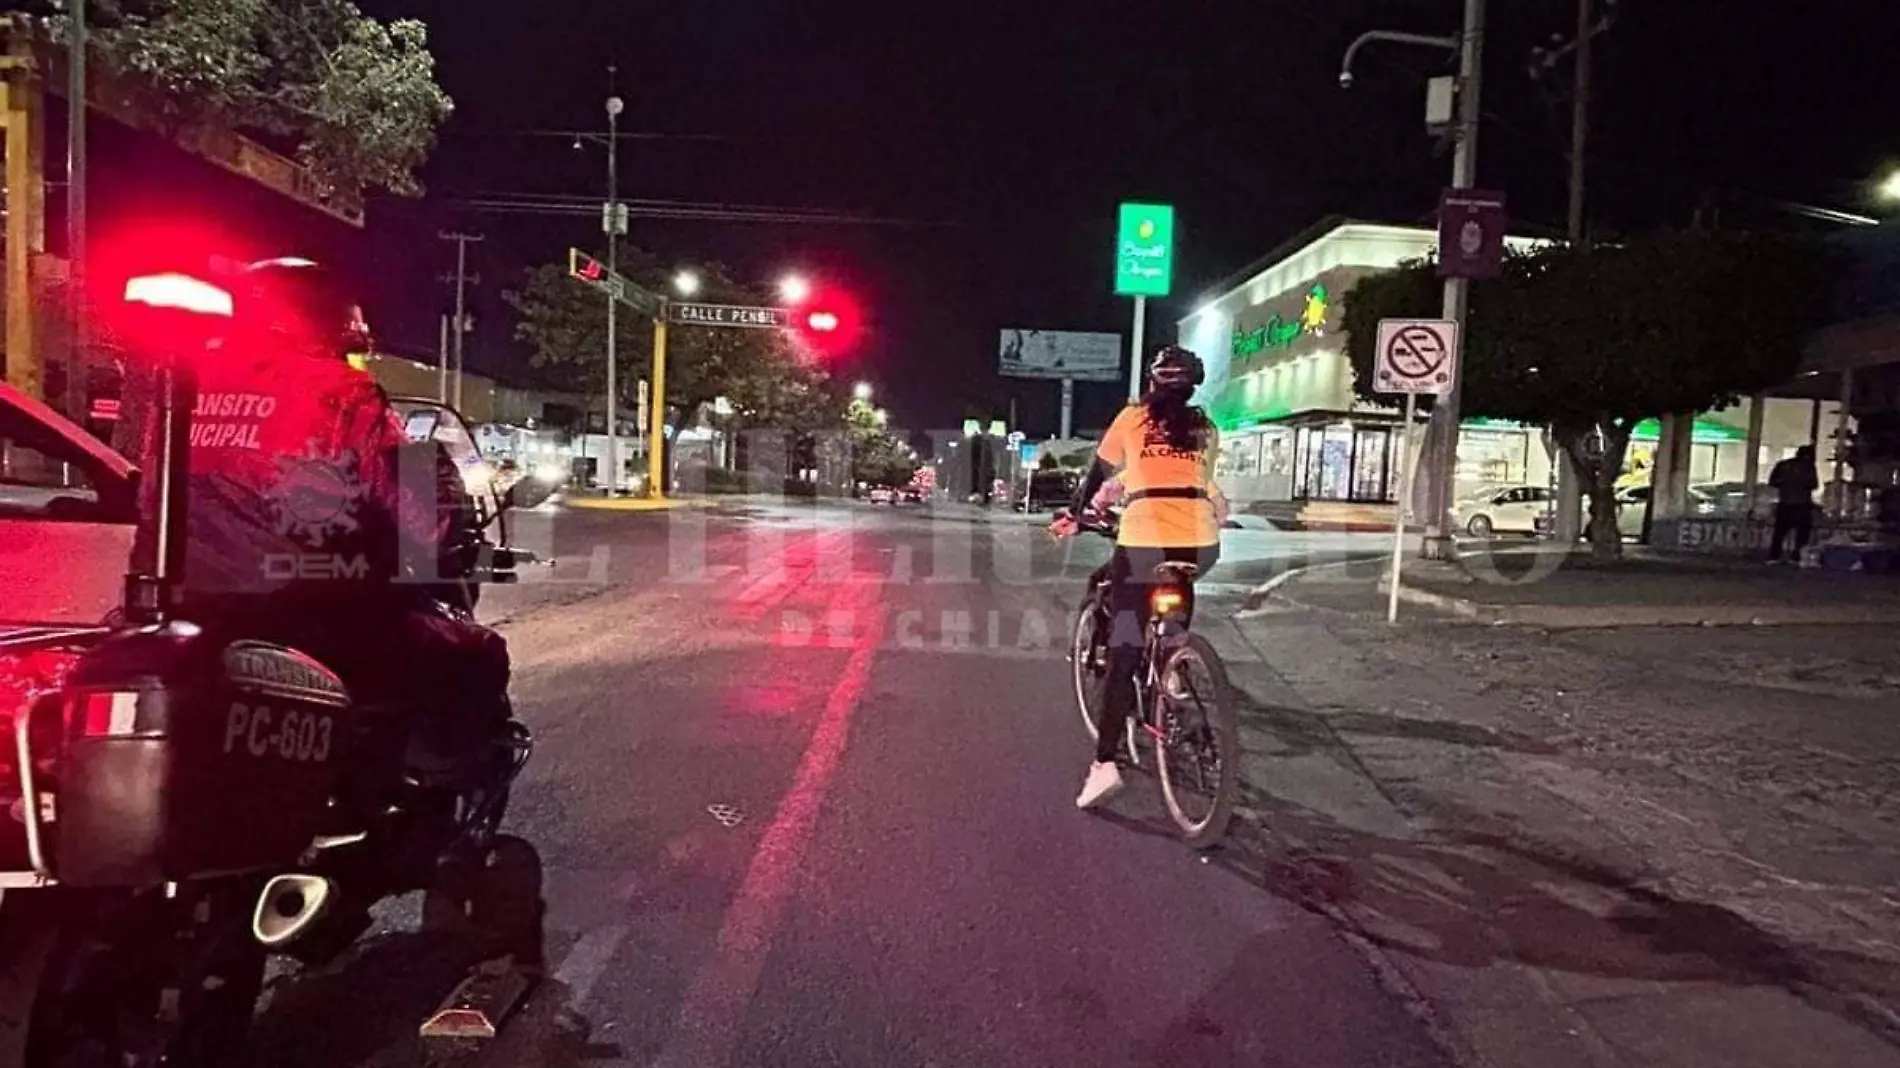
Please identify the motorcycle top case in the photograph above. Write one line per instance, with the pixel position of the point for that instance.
(191, 756)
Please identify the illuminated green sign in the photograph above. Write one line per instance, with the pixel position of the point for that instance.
(1280, 332)
(1144, 251)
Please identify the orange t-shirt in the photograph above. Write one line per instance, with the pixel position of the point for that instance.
(1140, 449)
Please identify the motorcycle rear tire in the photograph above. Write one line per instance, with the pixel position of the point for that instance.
(36, 946)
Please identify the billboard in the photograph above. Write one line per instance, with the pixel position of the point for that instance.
(1061, 354)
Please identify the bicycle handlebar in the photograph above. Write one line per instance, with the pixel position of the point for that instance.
(1104, 523)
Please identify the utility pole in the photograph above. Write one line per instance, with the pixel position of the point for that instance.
(1569, 507)
(76, 372)
(613, 221)
(1580, 121)
(1469, 45)
(462, 282)
(1464, 173)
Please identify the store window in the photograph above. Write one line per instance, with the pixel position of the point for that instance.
(1239, 457)
(1343, 463)
(1493, 457)
(1371, 464)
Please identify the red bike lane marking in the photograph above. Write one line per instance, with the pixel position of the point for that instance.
(707, 1028)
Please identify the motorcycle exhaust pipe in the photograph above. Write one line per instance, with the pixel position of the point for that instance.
(289, 905)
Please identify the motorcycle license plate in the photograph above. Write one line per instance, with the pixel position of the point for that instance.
(288, 733)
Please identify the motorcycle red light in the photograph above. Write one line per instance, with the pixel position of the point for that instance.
(179, 292)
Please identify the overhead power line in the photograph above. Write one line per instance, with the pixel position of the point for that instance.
(543, 204)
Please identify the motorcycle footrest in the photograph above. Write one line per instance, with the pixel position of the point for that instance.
(476, 1009)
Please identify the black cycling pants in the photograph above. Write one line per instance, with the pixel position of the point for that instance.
(1131, 575)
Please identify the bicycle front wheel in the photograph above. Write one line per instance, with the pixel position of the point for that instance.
(1198, 748)
(1088, 661)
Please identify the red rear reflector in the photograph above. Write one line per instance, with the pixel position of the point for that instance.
(108, 715)
(1167, 602)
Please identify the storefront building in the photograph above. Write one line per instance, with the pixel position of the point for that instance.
(1298, 445)
(1295, 441)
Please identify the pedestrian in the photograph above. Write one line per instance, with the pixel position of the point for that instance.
(1795, 480)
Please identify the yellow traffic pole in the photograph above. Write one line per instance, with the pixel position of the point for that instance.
(656, 444)
(22, 106)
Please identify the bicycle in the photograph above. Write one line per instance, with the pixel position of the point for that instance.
(1183, 702)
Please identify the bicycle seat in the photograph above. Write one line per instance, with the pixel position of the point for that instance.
(1177, 571)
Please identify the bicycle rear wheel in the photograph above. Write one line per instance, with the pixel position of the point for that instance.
(1198, 749)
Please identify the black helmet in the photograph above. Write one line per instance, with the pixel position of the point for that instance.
(299, 302)
(1176, 366)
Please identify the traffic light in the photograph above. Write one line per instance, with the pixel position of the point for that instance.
(827, 321)
(585, 267)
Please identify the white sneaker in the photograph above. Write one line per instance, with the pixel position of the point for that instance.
(1104, 782)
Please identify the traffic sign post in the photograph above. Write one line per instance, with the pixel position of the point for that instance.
(1413, 356)
(1144, 267)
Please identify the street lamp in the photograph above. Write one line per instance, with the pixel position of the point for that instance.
(686, 283)
(881, 416)
(1890, 188)
(793, 288)
(862, 391)
(613, 222)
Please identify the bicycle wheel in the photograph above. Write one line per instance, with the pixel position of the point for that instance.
(1197, 751)
(1088, 664)
(1088, 660)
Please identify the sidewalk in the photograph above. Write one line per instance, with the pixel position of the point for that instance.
(1547, 589)
(1592, 847)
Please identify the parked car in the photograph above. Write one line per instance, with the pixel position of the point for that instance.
(1633, 502)
(910, 495)
(881, 495)
(1507, 510)
(1047, 490)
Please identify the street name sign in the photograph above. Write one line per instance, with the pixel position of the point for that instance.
(685, 313)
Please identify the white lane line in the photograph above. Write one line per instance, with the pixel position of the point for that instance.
(715, 1004)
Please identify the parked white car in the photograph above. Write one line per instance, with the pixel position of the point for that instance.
(1634, 500)
(1504, 510)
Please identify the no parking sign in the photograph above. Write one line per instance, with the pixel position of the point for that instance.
(1416, 356)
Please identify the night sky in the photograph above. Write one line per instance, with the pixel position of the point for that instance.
(1005, 133)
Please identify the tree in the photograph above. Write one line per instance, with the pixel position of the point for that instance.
(1594, 340)
(878, 456)
(355, 96)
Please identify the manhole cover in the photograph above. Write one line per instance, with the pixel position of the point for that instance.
(727, 815)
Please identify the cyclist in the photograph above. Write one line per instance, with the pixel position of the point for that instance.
(1164, 447)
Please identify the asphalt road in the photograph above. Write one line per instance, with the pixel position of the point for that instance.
(804, 790)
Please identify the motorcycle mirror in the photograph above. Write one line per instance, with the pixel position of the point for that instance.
(530, 492)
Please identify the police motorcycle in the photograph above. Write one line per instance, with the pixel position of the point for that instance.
(177, 808)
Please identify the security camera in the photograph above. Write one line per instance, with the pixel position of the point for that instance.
(1345, 79)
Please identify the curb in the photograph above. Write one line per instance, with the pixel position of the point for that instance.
(1265, 590)
(636, 504)
(1586, 617)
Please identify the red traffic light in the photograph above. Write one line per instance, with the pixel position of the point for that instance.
(584, 267)
(827, 321)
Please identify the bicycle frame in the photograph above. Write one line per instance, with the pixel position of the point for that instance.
(1167, 622)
